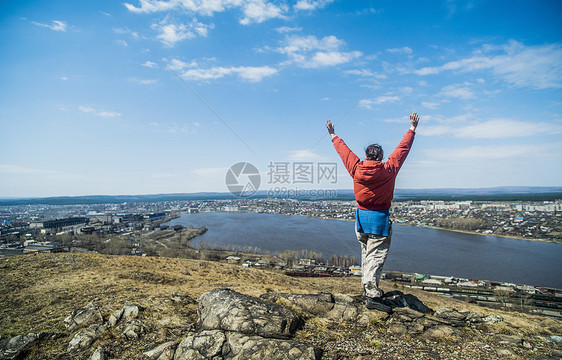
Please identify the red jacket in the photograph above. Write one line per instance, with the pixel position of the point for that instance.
(373, 181)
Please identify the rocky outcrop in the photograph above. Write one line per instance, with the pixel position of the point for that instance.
(83, 317)
(216, 344)
(224, 309)
(86, 337)
(237, 326)
(17, 346)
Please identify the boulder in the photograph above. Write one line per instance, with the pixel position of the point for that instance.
(225, 309)
(84, 338)
(83, 317)
(17, 346)
(157, 352)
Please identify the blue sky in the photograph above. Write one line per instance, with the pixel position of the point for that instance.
(91, 100)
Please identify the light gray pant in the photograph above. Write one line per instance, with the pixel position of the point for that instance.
(374, 249)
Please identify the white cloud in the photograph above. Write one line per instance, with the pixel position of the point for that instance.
(55, 25)
(367, 103)
(491, 129)
(457, 91)
(311, 52)
(101, 113)
(126, 31)
(361, 72)
(150, 64)
(121, 43)
(537, 67)
(254, 11)
(248, 73)
(288, 29)
(258, 11)
(402, 50)
(169, 33)
(312, 4)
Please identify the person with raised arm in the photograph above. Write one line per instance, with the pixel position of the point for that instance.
(373, 185)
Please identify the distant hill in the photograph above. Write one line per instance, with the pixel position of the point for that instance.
(502, 193)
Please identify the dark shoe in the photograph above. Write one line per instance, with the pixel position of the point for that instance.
(377, 304)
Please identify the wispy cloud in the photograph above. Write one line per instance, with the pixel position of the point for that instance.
(170, 33)
(402, 50)
(126, 31)
(254, 11)
(101, 113)
(248, 73)
(538, 67)
(368, 103)
(312, 52)
(150, 64)
(457, 91)
(192, 71)
(143, 81)
(55, 25)
(492, 129)
(288, 29)
(312, 4)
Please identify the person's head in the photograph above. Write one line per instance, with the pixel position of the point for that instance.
(374, 152)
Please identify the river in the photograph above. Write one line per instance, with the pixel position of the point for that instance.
(413, 249)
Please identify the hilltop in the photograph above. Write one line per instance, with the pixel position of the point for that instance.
(38, 292)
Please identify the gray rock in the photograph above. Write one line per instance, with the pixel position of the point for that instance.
(224, 309)
(242, 347)
(84, 338)
(155, 353)
(99, 354)
(216, 344)
(133, 330)
(17, 346)
(204, 345)
(126, 313)
(83, 317)
(492, 319)
(334, 307)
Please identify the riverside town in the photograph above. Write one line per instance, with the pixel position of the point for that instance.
(138, 228)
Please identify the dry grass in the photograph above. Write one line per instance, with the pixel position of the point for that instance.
(38, 291)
